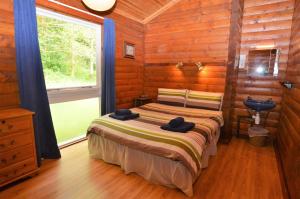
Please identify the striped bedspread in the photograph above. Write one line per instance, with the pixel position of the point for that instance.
(144, 133)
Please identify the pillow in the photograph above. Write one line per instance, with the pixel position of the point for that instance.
(174, 97)
(205, 100)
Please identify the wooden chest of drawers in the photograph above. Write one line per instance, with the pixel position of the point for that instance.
(17, 145)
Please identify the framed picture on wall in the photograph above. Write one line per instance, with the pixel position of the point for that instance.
(129, 50)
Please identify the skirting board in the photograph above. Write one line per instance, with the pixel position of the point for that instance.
(283, 180)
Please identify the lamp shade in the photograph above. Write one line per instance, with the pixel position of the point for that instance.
(99, 5)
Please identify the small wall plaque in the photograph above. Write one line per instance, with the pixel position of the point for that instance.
(129, 50)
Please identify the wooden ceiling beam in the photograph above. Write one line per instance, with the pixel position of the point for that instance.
(127, 15)
(150, 17)
(160, 11)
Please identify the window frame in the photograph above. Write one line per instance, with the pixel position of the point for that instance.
(59, 95)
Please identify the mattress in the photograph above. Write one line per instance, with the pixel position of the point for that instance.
(176, 159)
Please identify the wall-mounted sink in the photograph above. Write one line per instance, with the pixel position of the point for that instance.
(258, 106)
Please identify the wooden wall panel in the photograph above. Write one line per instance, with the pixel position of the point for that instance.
(129, 72)
(212, 78)
(190, 32)
(9, 96)
(264, 23)
(187, 31)
(234, 48)
(289, 131)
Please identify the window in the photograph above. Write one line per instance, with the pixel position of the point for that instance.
(68, 49)
(71, 55)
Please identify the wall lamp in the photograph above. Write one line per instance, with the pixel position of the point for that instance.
(200, 66)
(179, 65)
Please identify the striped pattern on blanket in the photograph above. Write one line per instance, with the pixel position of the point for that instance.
(184, 112)
(144, 133)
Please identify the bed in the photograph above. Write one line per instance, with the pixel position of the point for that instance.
(162, 157)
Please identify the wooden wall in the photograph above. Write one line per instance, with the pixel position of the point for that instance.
(234, 48)
(265, 22)
(9, 96)
(289, 131)
(129, 72)
(191, 31)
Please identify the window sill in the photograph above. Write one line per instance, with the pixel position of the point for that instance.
(72, 94)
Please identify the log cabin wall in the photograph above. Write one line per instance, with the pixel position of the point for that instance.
(265, 22)
(289, 133)
(234, 48)
(9, 94)
(129, 72)
(191, 31)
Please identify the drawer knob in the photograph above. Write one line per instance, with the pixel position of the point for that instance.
(3, 121)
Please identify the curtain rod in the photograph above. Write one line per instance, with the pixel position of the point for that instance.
(71, 7)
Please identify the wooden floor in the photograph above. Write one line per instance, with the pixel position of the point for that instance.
(238, 171)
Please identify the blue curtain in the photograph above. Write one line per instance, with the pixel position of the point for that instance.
(108, 103)
(32, 87)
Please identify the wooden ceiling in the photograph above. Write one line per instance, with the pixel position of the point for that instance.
(141, 10)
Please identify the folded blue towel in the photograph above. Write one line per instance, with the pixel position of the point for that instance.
(176, 122)
(186, 126)
(124, 117)
(123, 112)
